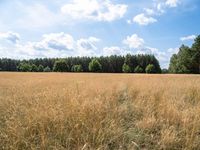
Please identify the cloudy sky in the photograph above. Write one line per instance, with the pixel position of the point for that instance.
(61, 28)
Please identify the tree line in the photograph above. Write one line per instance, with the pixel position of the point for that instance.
(187, 60)
(107, 64)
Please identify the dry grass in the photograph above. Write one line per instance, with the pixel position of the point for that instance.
(99, 111)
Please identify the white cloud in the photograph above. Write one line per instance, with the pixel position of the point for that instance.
(86, 47)
(10, 36)
(142, 19)
(103, 10)
(173, 50)
(172, 3)
(114, 50)
(188, 38)
(134, 41)
(57, 41)
(149, 11)
(51, 45)
(159, 7)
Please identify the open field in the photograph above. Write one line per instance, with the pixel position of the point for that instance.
(99, 111)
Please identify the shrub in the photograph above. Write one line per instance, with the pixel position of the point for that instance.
(24, 67)
(34, 68)
(150, 69)
(60, 66)
(138, 69)
(47, 69)
(95, 66)
(40, 68)
(77, 68)
(126, 68)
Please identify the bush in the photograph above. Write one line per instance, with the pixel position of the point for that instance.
(24, 67)
(60, 66)
(40, 68)
(126, 68)
(95, 66)
(34, 68)
(47, 69)
(150, 69)
(77, 68)
(138, 69)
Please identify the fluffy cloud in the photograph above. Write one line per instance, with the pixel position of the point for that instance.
(103, 10)
(86, 47)
(159, 7)
(188, 38)
(134, 41)
(114, 50)
(149, 11)
(61, 45)
(142, 19)
(172, 3)
(51, 45)
(10, 36)
(56, 41)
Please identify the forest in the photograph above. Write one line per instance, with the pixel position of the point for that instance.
(111, 64)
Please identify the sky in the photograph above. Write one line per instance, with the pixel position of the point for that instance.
(62, 28)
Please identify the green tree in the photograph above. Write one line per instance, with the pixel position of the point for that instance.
(24, 67)
(40, 68)
(195, 50)
(77, 68)
(95, 66)
(126, 68)
(34, 68)
(181, 62)
(150, 69)
(47, 69)
(138, 69)
(60, 66)
(131, 61)
(187, 60)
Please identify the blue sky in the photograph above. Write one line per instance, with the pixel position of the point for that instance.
(62, 28)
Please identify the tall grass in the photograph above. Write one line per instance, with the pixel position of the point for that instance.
(99, 111)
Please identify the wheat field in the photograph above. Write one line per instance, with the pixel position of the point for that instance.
(99, 111)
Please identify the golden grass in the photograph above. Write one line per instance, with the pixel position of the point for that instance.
(99, 111)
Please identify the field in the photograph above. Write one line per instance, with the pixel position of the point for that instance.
(99, 111)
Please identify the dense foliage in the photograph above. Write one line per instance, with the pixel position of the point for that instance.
(108, 64)
(60, 66)
(77, 68)
(150, 69)
(187, 60)
(95, 66)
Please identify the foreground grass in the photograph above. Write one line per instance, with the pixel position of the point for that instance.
(99, 111)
